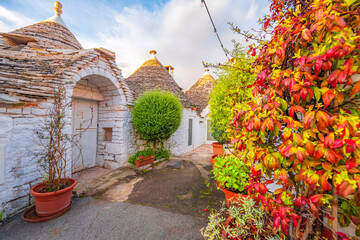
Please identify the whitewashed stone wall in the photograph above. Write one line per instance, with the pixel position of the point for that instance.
(179, 140)
(102, 77)
(17, 126)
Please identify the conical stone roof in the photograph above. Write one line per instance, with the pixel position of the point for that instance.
(51, 33)
(153, 75)
(199, 92)
(34, 58)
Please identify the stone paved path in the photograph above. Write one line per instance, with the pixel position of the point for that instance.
(166, 201)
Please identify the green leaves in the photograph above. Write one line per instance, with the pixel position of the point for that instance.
(157, 115)
(231, 172)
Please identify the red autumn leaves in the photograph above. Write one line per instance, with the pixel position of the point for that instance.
(303, 131)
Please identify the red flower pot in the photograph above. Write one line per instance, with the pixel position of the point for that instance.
(231, 196)
(217, 148)
(212, 159)
(50, 203)
(146, 160)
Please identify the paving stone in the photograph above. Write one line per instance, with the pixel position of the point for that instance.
(174, 164)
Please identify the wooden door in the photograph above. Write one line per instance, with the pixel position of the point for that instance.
(85, 119)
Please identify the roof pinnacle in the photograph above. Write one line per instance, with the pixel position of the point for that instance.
(152, 54)
(57, 7)
(57, 17)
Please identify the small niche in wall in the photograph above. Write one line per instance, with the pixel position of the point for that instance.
(108, 134)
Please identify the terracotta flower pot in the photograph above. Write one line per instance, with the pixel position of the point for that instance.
(231, 196)
(217, 148)
(50, 203)
(146, 160)
(212, 159)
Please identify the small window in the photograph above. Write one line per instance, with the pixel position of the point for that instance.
(190, 132)
(108, 134)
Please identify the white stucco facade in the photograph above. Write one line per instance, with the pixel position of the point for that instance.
(179, 141)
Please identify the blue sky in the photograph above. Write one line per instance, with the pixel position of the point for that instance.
(179, 30)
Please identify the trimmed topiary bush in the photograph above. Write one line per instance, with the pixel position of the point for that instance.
(156, 115)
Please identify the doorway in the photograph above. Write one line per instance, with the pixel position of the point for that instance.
(85, 132)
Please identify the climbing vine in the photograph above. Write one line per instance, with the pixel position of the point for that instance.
(303, 133)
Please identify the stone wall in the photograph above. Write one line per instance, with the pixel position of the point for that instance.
(103, 78)
(21, 169)
(179, 140)
(99, 77)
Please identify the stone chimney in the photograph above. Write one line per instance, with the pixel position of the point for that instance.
(152, 54)
(170, 69)
(206, 71)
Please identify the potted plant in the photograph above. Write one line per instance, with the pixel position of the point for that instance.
(246, 213)
(220, 136)
(53, 195)
(232, 175)
(160, 153)
(144, 160)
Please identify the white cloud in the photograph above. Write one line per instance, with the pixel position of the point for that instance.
(180, 30)
(252, 10)
(11, 20)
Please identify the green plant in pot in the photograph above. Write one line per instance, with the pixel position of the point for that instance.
(232, 175)
(220, 136)
(53, 195)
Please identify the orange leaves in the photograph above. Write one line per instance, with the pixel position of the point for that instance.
(309, 119)
(306, 35)
(328, 96)
(283, 175)
(344, 189)
(355, 89)
(267, 123)
(296, 108)
(324, 182)
(340, 21)
(257, 123)
(310, 148)
(328, 140)
(312, 179)
(323, 120)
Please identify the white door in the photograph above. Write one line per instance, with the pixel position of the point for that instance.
(84, 122)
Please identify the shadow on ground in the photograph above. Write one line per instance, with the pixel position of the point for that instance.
(182, 190)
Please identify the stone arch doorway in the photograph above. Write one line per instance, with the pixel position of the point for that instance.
(96, 122)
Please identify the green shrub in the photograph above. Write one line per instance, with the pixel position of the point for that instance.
(218, 134)
(156, 115)
(230, 92)
(231, 173)
(162, 153)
